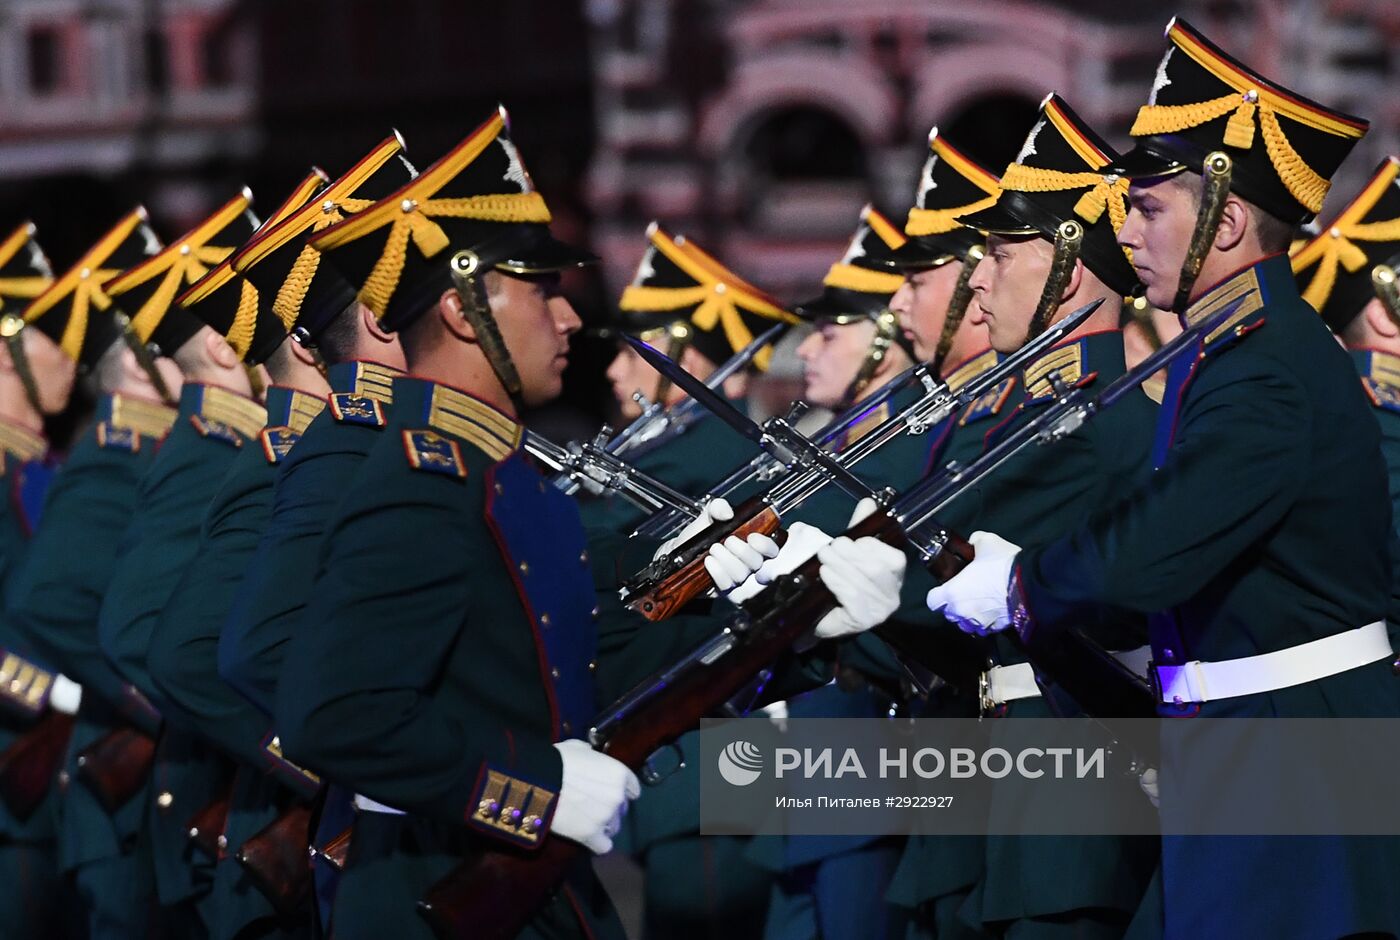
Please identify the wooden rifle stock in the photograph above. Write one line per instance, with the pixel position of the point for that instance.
(466, 903)
(276, 859)
(206, 827)
(29, 765)
(116, 766)
(657, 594)
(337, 850)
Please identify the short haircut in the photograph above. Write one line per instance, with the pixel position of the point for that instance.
(339, 340)
(107, 373)
(1273, 234)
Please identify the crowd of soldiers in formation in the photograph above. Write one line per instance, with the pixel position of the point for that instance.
(306, 635)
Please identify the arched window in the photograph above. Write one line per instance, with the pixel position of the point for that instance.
(802, 170)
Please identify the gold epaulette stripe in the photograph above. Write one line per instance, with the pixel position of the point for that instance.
(244, 415)
(304, 408)
(1245, 283)
(375, 381)
(469, 419)
(971, 369)
(1385, 368)
(1067, 361)
(146, 418)
(24, 444)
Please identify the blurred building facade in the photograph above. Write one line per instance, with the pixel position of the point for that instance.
(761, 126)
(97, 88)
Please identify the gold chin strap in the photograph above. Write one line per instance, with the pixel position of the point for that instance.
(144, 357)
(471, 288)
(957, 306)
(1069, 241)
(678, 336)
(1216, 176)
(886, 328)
(1383, 279)
(12, 329)
(255, 382)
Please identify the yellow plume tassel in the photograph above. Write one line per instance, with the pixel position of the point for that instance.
(1239, 130)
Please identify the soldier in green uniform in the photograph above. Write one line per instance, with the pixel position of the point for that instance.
(35, 380)
(55, 594)
(1055, 224)
(1347, 274)
(686, 303)
(183, 656)
(183, 651)
(936, 873)
(1266, 523)
(835, 886)
(459, 658)
(362, 361)
(217, 418)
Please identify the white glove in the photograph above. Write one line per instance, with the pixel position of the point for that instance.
(777, 713)
(66, 696)
(975, 599)
(734, 561)
(1148, 781)
(865, 575)
(716, 510)
(593, 796)
(802, 543)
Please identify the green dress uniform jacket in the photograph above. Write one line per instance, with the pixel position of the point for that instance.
(459, 644)
(1266, 525)
(213, 427)
(661, 828)
(54, 599)
(1380, 380)
(309, 482)
(183, 658)
(1037, 496)
(27, 868)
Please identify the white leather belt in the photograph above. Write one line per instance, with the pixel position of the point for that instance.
(1249, 675)
(1002, 684)
(365, 805)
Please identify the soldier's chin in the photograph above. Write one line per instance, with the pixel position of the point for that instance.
(543, 391)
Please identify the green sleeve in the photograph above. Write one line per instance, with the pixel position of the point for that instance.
(1232, 474)
(56, 594)
(409, 574)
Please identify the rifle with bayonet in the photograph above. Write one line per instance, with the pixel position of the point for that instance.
(591, 461)
(658, 423)
(668, 423)
(765, 467)
(679, 576)
(466, 903)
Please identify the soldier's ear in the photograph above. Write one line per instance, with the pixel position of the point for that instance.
(1234, 221)
(1378, 321)
(1076, 277)
(450, 312)
(372, 325)
(219, 351)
